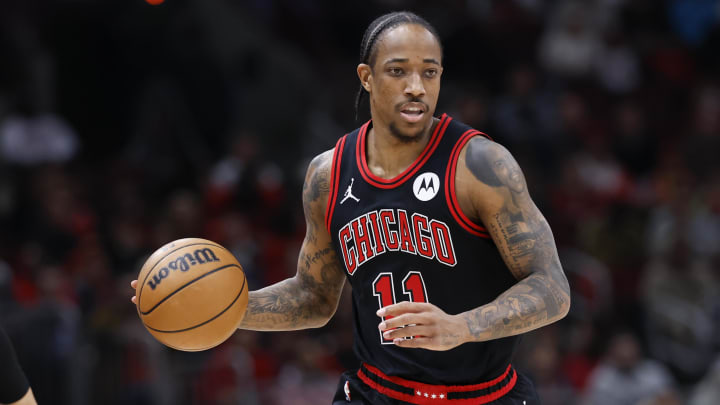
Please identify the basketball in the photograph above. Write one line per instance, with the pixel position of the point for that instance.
(191, 294)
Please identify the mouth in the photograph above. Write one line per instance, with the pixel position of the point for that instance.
(413, 112)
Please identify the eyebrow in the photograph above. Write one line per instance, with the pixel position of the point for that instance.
(403, 60)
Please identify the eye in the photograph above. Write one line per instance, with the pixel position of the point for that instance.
(431, 73)
(395, 71)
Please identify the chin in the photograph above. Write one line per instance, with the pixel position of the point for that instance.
(407, 135)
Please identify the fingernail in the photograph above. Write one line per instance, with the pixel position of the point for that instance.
(387, 334)
(381, 312)
(397, 340)
(382, 326)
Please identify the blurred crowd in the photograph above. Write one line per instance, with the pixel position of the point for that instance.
(124, 126)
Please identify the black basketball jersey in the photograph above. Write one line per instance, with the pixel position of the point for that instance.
(406, 239)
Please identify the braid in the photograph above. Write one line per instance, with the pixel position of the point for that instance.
(373, 32)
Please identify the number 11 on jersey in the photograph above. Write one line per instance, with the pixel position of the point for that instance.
(413, 286)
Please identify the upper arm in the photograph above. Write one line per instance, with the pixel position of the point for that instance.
(495, 192)
(318, 269)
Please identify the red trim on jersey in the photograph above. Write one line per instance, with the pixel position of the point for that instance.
(334, 179)
(361, 156)
(423, 393)
(450, 194)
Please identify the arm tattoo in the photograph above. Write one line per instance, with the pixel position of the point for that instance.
(300, 302)
(526, 244)
(315, 188)
(309, 299)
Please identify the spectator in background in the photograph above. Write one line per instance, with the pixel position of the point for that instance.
(544, 363)
(704, 125)
(693, 20)
(632, 142)
(525, 113)
(33, 139)
(33, 133)
(570, 44)
(703, 228)
(679, 320)
(305, 375)
(707, 391)
(627, 377)
(617, 66)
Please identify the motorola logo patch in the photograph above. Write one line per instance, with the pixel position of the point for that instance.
(426, 186)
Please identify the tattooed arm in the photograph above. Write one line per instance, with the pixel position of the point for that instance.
(491, 188)
(309, 299)
(499, 198)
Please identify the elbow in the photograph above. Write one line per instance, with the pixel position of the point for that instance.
(322, 318)
(564, 301)
(556, 295)
(324, 311)
(565, 308)
(322, 322)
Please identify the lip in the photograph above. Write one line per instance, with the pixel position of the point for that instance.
(413, 118)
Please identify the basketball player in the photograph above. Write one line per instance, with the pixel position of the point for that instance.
(14, 387)
(431, 222)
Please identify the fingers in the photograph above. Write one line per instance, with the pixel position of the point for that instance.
(404, 307)
(406, 332)
(133, 284)
(420, 342)
(402, 320)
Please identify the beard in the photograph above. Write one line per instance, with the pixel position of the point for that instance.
(405, 137)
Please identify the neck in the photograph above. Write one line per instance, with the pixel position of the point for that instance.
(388, 156)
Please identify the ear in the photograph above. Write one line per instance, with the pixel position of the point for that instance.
(365, 75)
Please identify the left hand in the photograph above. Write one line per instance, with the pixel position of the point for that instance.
(430, 327)
(133, 285)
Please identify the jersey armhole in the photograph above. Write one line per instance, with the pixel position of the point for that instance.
(450, 192)
(334, 179)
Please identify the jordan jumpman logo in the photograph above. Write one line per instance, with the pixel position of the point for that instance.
(349, 194)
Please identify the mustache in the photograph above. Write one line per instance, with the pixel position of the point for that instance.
(412, 100)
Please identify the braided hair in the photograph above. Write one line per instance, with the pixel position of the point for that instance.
(373, 32)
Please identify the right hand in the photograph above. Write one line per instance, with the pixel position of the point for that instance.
(133, 284)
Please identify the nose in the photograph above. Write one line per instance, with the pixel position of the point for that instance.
(414, 86)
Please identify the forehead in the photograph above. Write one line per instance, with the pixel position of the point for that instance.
(408, 41)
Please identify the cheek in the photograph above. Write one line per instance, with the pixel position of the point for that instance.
(385, 97)
(433, 89)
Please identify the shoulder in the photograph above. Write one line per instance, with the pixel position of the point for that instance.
(480, 150)
(492, 164)
(321, 164)
(317, 178)
(487, 177)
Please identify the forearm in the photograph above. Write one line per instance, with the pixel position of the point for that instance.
(309, 299)
(534, 302)
(286, 306)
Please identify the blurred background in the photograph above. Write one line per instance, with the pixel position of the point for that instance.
(125, 125)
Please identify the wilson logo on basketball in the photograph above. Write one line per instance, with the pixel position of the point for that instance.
(183, 263)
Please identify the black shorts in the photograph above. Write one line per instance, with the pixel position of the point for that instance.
(360, 393)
